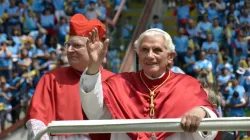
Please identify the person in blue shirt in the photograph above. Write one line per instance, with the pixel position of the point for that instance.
(63, 30)
(189, 61)
(23, 8)
(13, 47)
(15, 82)
(240, 42)
(37, 6)
(236, 104)
(217, 31)
(24, 62)
(204, 64)
(246, 16)
(224, 78)
(221, 6)
(201, 7)
(212, 11)
(13, 12)
(3, 6)
(59, 8)
(210, 44)
(230, 33)
(101, 8)
(183, 13)
(5, 89)
(16, 36)
(238, 57)
(204, 27)
(47, 20)
(156, 23)
(212, 56)
(52, 44)
(4, 100)
(70, 10)
(234, 86)
(115, 64)
(225, 64)
(82, 7)
(51, 63)
(15, 99)
(193, 31)
(181, 45)
(6, 62)
(127, 28)
(13, 17)
(40, 33)
(3, 36)
(236, 108)
(30, 22)
(233, 10)
(246, 82)
(38, 52)
(92, 11)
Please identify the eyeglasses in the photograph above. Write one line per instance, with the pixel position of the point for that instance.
(75, 46)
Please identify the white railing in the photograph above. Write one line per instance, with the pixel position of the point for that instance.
(142, 125)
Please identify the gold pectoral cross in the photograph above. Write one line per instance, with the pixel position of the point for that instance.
(152, 105)
(152, 111)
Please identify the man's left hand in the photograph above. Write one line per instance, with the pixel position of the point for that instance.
(191, 120)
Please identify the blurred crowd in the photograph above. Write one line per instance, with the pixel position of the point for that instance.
(32, 37)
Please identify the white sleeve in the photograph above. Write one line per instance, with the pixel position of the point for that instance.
(35, 126)
(91, 96)
(211, 134)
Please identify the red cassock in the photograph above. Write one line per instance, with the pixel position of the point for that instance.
(57, 98)
(127, 97)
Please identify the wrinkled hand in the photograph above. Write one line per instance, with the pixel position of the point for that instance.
(96, 51)
(191, 120)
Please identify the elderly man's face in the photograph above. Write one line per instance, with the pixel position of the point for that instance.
(153, 55)
(77, 52)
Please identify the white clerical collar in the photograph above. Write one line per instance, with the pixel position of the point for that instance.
(151, 78)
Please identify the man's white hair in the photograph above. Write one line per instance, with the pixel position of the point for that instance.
(168, 43)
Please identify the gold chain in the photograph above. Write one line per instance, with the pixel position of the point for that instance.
(152, 94)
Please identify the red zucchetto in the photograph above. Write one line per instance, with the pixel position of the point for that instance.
(81, 26)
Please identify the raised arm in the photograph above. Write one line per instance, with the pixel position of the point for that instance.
(90, 83)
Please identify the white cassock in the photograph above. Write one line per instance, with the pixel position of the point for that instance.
(91, 94)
